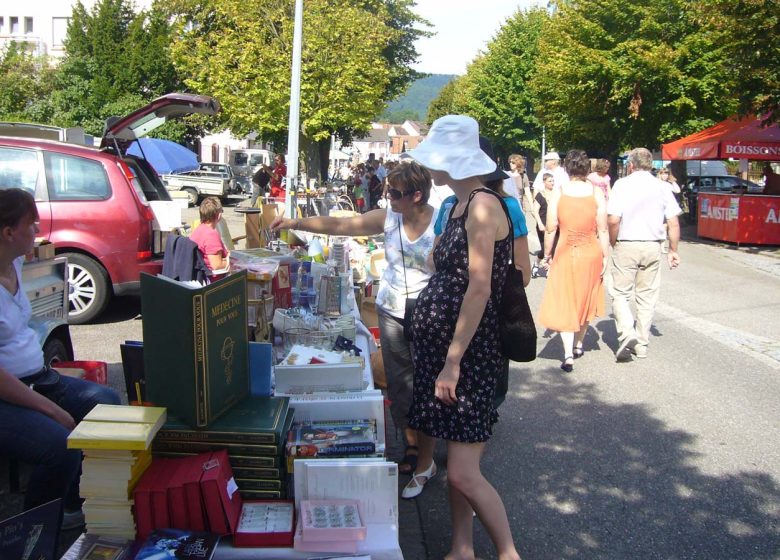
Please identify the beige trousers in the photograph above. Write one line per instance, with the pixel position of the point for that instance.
(636, 277)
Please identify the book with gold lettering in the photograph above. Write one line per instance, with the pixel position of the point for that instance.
(195, 346)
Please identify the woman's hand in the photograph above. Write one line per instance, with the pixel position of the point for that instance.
(446, 383)
(281, 222)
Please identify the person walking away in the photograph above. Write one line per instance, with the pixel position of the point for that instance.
(600, 176)
(541, 203)
(38, 406)
(637, 209)
(457, 352)
(408, 220)
(207, 237)
(574, 293)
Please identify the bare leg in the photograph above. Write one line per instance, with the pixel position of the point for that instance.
(425, 444)
(580, 337)
(466, 482)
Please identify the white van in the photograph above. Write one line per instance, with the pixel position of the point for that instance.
(246, 162)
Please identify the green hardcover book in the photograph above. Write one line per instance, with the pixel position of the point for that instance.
(257, 462)
(261, 494)
(203, 446)
(195, 346)
(254, 472)
(258, 484)
(253, 420)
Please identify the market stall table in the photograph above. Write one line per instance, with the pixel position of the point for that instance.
(739, 218)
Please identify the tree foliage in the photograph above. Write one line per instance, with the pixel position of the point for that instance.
(115, 62)
(25, 82)
(495, 89)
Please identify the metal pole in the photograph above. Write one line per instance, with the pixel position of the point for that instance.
(295, 113)
(544, 141)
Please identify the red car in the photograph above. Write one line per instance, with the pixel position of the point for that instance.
(94, 203)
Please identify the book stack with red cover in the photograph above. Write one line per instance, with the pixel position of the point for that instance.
(253, 432)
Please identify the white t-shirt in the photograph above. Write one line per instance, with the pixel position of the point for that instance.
(643, 203)
(20, 350)
(560, 178)
(392, 288)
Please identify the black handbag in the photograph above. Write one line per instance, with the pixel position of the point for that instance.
(516, 326)
(410, 302)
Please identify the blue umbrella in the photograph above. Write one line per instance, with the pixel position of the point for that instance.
(165, 156)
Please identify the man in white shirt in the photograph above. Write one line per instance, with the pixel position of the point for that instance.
(552, 164)
(637, 208)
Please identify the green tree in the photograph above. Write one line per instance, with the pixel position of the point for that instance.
(25, 80)
(745, 35)
(444, 103)
(115, 62)
(495, 88)
(241, 53)
(615, 75)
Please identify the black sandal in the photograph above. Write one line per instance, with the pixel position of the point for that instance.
(409, 463)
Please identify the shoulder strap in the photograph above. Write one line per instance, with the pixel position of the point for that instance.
(403, 260)
(506, 213)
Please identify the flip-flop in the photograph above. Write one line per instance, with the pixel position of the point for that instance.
(409, 463)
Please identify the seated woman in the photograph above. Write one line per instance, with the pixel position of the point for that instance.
(38, 407)
(208, 239)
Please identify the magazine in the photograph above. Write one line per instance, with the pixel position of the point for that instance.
(178, 543)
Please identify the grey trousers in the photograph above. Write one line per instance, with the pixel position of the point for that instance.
(636, 275)
(399, 368)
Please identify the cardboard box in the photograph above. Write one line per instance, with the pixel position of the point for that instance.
(43, 250)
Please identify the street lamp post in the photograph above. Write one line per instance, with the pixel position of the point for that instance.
(295, 113)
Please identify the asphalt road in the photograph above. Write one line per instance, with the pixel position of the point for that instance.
(672, 457)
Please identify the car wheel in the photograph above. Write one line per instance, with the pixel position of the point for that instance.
(54, 350)
(192, 196)
(89, 289)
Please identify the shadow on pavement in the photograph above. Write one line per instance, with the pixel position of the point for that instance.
(584, 478)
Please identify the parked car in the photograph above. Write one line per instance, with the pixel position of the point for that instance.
(94, 203)
(210, 179)
(715, 183)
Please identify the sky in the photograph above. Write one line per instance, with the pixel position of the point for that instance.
(463, 28)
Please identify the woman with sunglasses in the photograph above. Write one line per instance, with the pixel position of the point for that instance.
(406, 274)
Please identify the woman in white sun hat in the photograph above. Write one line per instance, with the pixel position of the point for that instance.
(457, 355)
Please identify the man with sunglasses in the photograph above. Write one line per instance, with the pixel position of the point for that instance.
(408, 227)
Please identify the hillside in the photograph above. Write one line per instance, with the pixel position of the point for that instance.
(414, 104)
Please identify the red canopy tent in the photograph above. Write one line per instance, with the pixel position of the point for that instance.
(743, 138)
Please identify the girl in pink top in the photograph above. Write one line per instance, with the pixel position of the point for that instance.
(599, 178)
(208, 239)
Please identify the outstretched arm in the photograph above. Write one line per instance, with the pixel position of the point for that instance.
(370, 223)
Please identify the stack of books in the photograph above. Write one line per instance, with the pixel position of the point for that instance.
(253, 432)
(116, 442)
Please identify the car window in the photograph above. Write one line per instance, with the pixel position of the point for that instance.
(706, 183)
(240, 158)
(18, 169)
(75, 178)
(150, 184)
(726, 183)
(256, 159)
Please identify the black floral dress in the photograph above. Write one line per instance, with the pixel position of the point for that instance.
(438, 305)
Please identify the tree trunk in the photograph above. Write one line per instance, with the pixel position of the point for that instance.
(317, 154)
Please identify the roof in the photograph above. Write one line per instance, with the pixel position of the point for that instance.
(741, 138)
(374, 135)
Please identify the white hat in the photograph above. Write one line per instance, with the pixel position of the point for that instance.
(452, 145)
(551, 155)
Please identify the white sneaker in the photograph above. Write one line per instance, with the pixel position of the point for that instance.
(418, 482)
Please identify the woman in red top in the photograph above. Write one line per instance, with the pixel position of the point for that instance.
(278, 173)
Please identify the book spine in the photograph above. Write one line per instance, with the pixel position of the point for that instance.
(200, 360)
(258, 484)
(200, 447)
(260, 494)
(199, 435)
(249, 472)
(309, 450)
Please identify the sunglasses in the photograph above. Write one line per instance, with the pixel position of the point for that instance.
(395, 194)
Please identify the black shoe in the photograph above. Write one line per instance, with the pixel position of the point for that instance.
(568, 365)
(578, 352)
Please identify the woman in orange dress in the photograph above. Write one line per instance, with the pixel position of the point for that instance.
(574, 293)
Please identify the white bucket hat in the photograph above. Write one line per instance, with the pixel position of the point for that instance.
(452, 145)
